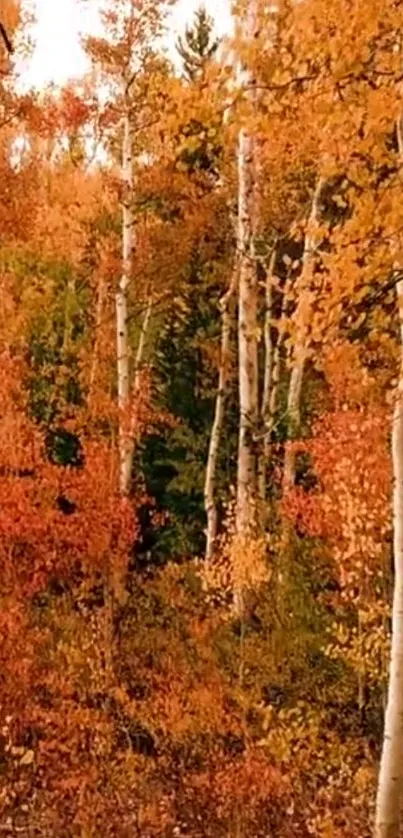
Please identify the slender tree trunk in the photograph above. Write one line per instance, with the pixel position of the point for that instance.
(101, 294)
(302, 317)
(139, 359)
(281, 333)
(247, 324)
(390, 783)
(122, 337)
(68, 324)
(268, 381)
(216, 432)
(138, 365)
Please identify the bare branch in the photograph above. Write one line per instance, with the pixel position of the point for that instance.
(6, 39)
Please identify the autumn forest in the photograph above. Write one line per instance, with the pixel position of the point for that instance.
(201, 427)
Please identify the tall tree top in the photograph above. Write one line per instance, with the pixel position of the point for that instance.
(198, 46)
(132, 30)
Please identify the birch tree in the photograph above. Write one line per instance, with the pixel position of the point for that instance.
(301, 319)
(125, 55)
(248, 304)
(390, 783)
(226, 307)
(269, 382)
(122, 337)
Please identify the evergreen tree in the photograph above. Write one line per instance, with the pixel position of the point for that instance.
(173, 460)
(198, 46)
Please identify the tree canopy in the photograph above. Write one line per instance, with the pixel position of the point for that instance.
(201, 456)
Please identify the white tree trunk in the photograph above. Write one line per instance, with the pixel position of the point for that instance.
(281, 334)
(216, 432)
(136, 374)
(268, 382)
(122, 337)
(141, 347)
(302, 318)
(247, 325)
(390, 783)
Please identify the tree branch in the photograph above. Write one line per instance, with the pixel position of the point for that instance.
(6, 39)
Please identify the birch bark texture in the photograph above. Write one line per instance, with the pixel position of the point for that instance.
(248, 305)
(302, 316)
(122, 331)
(390, 783)
(268, 381)
(219, 415)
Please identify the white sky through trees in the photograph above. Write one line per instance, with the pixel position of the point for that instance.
(58, 55)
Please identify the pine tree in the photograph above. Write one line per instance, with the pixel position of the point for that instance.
(198, 47)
